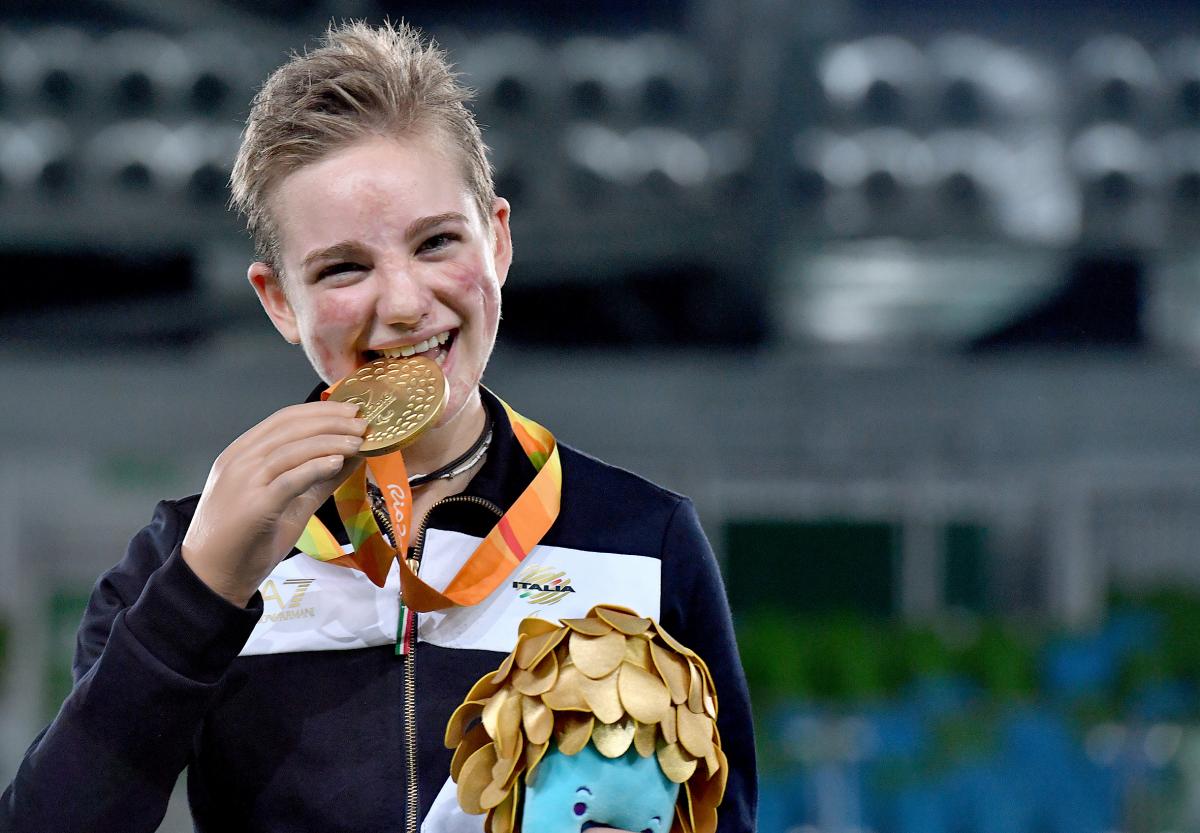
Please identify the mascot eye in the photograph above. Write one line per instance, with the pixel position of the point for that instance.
(580, 808)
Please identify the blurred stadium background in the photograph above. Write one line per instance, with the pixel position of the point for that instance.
(905, 295)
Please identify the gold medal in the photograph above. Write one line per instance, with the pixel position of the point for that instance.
(400, 398)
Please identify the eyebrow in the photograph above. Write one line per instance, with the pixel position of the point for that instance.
(423, 224)
(345, 250)
(349, 249)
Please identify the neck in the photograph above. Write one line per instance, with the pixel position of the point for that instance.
(438, 446)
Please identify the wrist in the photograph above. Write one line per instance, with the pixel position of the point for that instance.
(219, 581)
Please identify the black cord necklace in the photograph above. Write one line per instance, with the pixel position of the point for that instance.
(464, 462)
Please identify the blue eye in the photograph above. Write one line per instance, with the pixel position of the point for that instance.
(580, 808)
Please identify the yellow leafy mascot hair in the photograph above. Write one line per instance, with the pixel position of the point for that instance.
(613, 678)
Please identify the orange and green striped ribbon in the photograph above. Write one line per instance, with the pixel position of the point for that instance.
(509, 541)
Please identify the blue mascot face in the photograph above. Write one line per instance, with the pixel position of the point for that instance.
(571, 793)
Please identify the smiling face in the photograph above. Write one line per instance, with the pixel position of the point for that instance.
(383, 252)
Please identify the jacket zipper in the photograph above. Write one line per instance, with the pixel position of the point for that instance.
(408, 624)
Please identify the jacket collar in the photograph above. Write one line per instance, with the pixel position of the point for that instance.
(506, 470)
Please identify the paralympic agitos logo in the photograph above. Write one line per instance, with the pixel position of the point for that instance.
(543, 585)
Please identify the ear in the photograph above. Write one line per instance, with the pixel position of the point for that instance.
(268, 286)
(501, 238)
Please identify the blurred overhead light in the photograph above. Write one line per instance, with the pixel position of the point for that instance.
(869, 182)
(972, 170)
(1120, 175)
(671, 79)
(887, 293)
(595, 80)
(1115, 79)
(899, 170)
(980, 81)
(14, 55)
(1180, 155)
(682, 159)
(50, 68)
(602, 151)
(19, 157)
(648, 78)
(130, 156)
(203, 153)
(143, 71)
(511, 74)
(661, 162)
(218, 73)
(1180, 63)
(1114, 163)
(879, 80)
(36, 155)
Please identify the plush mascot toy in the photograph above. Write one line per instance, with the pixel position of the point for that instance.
(600, 723)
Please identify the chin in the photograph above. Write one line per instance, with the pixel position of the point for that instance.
(456, 403)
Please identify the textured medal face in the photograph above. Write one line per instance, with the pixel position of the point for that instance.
(400, 398)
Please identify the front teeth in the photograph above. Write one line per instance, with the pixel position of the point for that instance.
(420, 347)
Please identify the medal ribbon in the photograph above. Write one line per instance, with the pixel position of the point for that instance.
(509, 541)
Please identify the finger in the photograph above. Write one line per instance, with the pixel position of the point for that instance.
(297, 452)
(317, 472)
(293, 414)
(300, 508)
(326, 487)
(264, 439)
(336, 408)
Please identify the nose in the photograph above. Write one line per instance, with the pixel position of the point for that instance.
(404, 299)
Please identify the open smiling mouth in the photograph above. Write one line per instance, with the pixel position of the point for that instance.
(435, 347)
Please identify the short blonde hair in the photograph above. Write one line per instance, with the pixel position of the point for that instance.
(360, 81)
(613, 679)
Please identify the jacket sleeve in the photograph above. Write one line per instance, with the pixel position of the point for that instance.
(696, 612)
(153, 647)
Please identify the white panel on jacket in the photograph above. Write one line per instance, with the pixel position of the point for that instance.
(309, 605)
(551, 583)
(445, 816)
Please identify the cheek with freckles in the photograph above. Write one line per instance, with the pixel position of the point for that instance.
(331, 331)
(471, 279)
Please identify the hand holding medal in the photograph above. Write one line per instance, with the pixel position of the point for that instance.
(263, 488)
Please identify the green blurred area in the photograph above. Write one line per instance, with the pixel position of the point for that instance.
(64, 612)
(822, 565)
(817, 621)
(852, 658)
